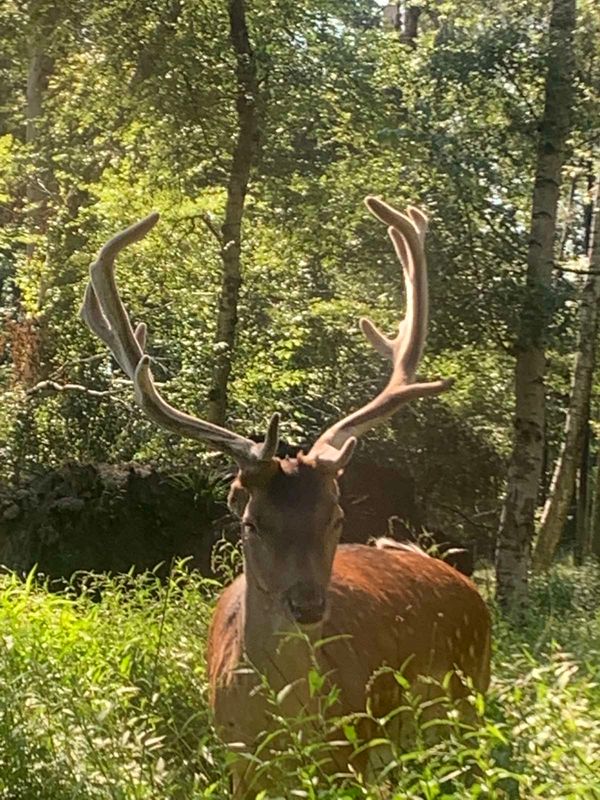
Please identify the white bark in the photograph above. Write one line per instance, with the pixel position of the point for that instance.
(518, 514)
(563, 480)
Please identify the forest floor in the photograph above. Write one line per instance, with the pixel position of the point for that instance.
(103, 695)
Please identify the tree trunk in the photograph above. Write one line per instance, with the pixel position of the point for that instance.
(583, 529)
(563, 480)
(36, 80)
(410, 29)
(518, 513)
(40, 66)
(243, 158)
(595, 521)
(23, 328)
(544, 482)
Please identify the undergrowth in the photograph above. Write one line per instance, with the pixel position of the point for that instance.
(103, 695)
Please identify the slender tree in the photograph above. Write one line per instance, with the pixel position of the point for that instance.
(595, 515)
(24, 327)
(582, 514)
(42, 17)
(231, 232)
(518, 513)
(563, 481)
(410, 28)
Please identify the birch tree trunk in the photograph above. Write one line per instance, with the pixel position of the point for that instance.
(231, 231)
(39, 69)
(583, 531)
(563, 481)
(595, 521)
(24, 327)
(518, 514)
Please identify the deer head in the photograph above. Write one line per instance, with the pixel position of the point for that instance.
(289, 508)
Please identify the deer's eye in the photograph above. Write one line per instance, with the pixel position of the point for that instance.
(249, 527)
(337, 521)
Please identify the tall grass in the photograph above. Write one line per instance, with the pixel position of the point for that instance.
(103, 695)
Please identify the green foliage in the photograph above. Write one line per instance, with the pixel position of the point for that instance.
(104, 696)
(139, 113)
(107, 693)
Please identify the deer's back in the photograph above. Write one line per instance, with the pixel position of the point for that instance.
(406, 611)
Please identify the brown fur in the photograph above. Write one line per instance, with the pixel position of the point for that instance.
(393, 608)
(380, 598)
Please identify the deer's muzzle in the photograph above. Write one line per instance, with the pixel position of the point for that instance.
(305, 603)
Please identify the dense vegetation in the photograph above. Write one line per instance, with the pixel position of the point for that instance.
(107, 699)
(138, 112)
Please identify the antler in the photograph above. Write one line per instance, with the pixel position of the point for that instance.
(106, 316)
(407, 232)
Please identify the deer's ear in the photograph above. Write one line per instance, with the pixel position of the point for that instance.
(238, 498)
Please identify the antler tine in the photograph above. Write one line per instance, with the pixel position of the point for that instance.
(102, 308)
(407, 232)
(106, 316)
(404, 231)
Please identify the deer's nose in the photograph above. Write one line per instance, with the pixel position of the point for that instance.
(306, 603)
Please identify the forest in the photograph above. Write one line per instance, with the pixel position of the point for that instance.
(256, 128)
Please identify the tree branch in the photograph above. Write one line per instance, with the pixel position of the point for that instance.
(49, 387)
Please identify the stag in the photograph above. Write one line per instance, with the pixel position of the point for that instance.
(370, 609)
